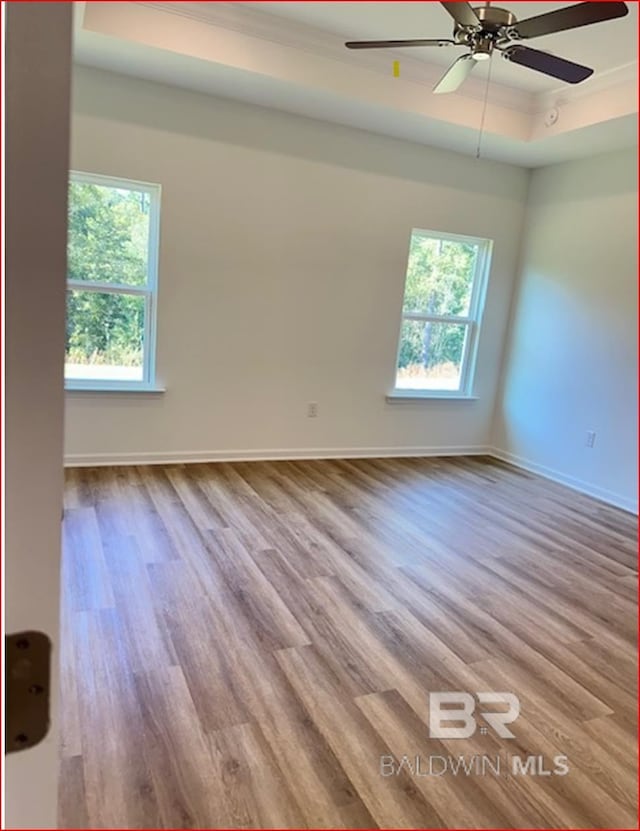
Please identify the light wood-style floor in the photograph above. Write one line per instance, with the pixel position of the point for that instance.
(242, 643)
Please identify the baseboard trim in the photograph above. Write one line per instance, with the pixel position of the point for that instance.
(281, 455)
(185, 457)
(600, 494)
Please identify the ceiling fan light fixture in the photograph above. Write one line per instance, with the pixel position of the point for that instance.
(482, 47)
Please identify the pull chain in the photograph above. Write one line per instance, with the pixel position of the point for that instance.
(484, 107)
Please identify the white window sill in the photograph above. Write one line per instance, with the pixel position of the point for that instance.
(410, 397)
(97, 386)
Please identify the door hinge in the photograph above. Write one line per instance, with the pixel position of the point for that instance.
(27, 689)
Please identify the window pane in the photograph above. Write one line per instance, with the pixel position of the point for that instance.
(104, 336)
(439, 276)
(108, 234)
(430, 355)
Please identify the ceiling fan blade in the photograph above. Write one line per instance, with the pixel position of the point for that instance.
(455, 75)
(560, 68)
(582, 14)
(397, 44)
(462, 13)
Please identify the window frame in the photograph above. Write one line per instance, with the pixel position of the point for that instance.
(149, 291)
(472, 320)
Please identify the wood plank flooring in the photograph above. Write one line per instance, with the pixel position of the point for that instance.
(253, 645)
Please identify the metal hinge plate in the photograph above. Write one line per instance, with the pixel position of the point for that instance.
(27, 689)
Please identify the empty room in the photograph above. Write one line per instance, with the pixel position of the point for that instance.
(321, 335)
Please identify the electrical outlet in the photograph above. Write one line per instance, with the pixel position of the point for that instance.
(312, 409)
(590, 439)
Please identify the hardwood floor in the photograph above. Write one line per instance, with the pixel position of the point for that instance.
(253, 645)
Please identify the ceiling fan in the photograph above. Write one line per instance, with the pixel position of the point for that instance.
(487, 28)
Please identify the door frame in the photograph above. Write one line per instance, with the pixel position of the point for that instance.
(38, 44)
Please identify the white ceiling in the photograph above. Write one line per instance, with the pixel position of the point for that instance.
(604, 47)
(291, 56)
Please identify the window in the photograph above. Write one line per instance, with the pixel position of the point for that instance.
(441, 315)
(111, 283)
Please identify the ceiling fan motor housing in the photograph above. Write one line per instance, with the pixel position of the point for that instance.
(494, 26)
(493, 18)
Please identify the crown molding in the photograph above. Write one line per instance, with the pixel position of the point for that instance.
(295, 35)
(620, 76)
(233, 51)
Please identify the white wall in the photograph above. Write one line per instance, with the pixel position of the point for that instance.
(572, 358)
(283, 252)
(38, 64)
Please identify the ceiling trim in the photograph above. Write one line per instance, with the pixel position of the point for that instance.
(235, 52)
(600, 82)
(305, 38)
(292, 33)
